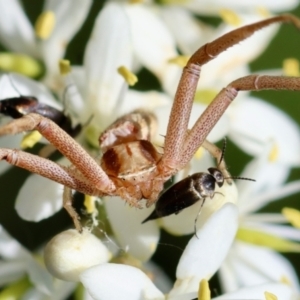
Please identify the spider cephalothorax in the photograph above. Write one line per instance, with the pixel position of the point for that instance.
(132, 167)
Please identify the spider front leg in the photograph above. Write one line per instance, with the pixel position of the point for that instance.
(82, 161)
(181, 143)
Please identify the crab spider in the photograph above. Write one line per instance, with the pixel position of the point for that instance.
(131, 167)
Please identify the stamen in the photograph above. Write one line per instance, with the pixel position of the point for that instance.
(268, 240)
(44, 24)
(270, 296)
(230, 17)
(180, 60)
(204, 291)
(129, 77)
(64, 66)
(89, 204)
(274, 153)
(135, 1)
(30, 139)
(291, 67)
(292, 215)
(20, 63)
(285, 280)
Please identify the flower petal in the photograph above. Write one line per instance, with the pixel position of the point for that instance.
(152, 42)
(203, 255)
(254, 265)
(256, 123)
(16, 32)
(140, 240)
(132, 283)
(111, 42)
(69, 17)
(281, 291)
(38, 198)
(213, 7)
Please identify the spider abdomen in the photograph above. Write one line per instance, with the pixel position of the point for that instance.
(131, 161)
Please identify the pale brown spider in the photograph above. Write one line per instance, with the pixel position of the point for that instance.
(131, 167)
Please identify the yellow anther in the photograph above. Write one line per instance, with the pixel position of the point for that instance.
(30, 139)
(204, 291)
(205, 96)
(267, 240)
(285, 280)
(20, 63)
(291, 67)
(129, 77)
(135, 1)
(199, 153)
(64, 66)
(44, 24)
(180, 60)
(262, 11)
(274, 153)
(270, 296)
(292, 215)
(230, 17)
(89, 204)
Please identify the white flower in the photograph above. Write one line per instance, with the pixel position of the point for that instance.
(201, 259)
(61, 21)
(16, 262)
(253, 258)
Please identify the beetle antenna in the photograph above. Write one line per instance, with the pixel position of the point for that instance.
(241, 178)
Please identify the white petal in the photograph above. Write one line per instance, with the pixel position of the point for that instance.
(213, 7)
(38, 198)
(140, 240)
(39, 276)
(14, 85)
(69, 253)
(16, 32)
(11, 271)
(11, 249)
(192, 34)
(108, 48)
(69, 17)
(119, 282)
(9, 141)
(152, 42)
(286, 232)
(203, 255)
(281, 291)
(255, 123)
(253, 265)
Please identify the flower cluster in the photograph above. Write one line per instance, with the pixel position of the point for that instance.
(231, 237)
